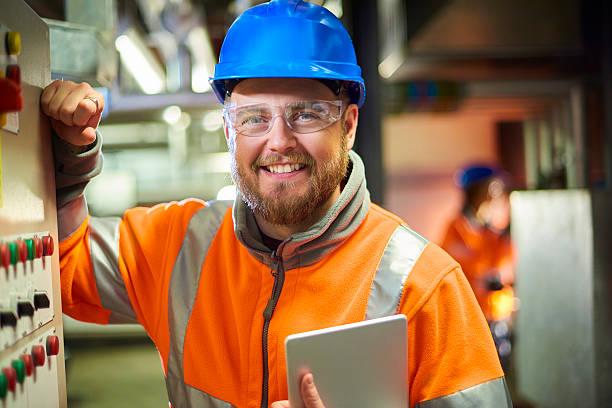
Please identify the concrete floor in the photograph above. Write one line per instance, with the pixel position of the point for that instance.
(114, 375)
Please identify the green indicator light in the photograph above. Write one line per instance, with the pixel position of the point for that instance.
(3, 386)
(19, 366)
(31, 248)
(14, 252)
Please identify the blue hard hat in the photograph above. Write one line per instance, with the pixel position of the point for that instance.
(288, 39)
(471, 175)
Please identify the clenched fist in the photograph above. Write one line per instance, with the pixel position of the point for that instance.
(73, 110)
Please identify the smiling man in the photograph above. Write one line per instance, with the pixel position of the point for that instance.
(292, 153)
(218, 286)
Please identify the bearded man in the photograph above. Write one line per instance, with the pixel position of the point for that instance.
(218, 286)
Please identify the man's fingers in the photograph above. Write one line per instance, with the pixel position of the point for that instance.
(65, 101)
(280, 404)
(85, 110)
(56, 105)
(75, 135)
(310, 395)
(47, 96)
(88, 136)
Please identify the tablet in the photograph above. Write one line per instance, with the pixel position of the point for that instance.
(361, 364)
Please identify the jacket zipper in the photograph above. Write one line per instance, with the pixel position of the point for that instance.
(279, 279)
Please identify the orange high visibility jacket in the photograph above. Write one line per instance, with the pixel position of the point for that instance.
(483, 254)
(218, 304)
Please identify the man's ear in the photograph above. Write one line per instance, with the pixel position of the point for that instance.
(351, 117)
(225, 129)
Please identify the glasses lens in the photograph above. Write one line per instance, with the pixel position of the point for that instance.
(300, 116)
(251, 120)
(311, 116)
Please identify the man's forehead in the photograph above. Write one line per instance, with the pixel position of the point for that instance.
(300, 88)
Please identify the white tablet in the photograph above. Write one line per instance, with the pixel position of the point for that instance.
(361, 364)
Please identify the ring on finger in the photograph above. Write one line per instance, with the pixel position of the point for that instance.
(94, 100)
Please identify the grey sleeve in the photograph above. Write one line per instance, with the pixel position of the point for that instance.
(74, 167)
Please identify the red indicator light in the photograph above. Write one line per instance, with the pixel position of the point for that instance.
(39, 247)
(53, 345)
(11, 376)
(38, 354)
(48, 246)
(29, 363)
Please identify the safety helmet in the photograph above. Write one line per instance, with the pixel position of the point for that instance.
(288, 39)
(470, 175)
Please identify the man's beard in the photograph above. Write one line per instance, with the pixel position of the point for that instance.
(282, 206)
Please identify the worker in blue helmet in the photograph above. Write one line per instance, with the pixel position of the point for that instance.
(218, 286)
(478, 238)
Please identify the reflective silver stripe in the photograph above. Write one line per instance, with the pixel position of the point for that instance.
(492, 393)
(182, 292)
(70, 216)
(104, 250)
(400, 255)
(192, 397)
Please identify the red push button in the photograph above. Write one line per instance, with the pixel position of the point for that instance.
(38, 245)
(5, 255)
(23, 250)
(28, 361)
(13, 72)
(38, 354)
(53, 345)
(12, 99)
(11, 376)
(48, 246)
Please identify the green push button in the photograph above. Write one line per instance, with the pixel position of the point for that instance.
(14, 252)
(20, 368)
(3, 386)
(31, 248)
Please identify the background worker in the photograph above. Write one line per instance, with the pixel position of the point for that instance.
(218, 286)
(478, 238)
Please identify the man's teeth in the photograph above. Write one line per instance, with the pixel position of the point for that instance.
(284, 168)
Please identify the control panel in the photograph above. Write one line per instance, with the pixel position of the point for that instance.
(32, 369)
(26, 290)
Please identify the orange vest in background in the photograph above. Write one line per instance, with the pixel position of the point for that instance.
(484, 255)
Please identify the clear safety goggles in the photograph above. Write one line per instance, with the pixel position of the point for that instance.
(301, 116)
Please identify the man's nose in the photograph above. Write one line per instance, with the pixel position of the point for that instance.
(280, 137)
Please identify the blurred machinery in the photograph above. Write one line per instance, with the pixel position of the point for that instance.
(562, 348)
(32, 370)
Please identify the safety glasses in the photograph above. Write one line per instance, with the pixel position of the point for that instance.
(301, 116)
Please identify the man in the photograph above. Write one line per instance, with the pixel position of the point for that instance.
(478, 239)
(217, 286)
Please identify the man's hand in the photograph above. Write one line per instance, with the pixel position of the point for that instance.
(310, 395)
(73, 110)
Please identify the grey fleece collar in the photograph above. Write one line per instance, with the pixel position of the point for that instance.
(308, 247)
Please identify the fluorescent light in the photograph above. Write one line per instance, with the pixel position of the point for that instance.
(139, 62)
(390, 64)
(172, 114)
(203, 59)
(212, 121)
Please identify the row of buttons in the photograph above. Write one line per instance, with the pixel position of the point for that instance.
(25, 308)
(24, 366)
(25, 249)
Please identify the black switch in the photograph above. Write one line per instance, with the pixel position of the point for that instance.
(25, 308)
(8, 319)
(41, 300)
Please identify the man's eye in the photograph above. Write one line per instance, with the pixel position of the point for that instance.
(251, 120)
(306, 116)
